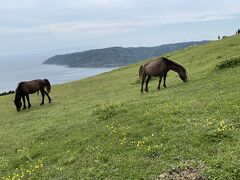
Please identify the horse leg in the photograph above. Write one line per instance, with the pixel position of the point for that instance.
(147, 81)
(42, 92)
(24, 103)
(160, 80)
(142, 81)
(49, 99)
(29, 104)
(164, 80)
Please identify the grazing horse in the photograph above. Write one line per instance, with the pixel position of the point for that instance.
(160, 67)
(30, 87)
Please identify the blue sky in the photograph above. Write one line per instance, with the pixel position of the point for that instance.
(35, 26)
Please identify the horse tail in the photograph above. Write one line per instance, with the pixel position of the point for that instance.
(47, 85)
(140, 71)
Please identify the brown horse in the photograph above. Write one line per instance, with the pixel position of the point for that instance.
(160, 67)
(30, 87)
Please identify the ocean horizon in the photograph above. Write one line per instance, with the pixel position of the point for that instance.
(17, 69)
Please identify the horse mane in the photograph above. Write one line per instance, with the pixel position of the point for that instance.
(19, 86)
(18, 92)
(172, 62)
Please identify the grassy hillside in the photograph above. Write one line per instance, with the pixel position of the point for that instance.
(104, 128)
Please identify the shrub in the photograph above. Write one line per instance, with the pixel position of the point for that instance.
(6, 93)
(229, 63)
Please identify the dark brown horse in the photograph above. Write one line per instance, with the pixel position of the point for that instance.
(160, 67)
(30, 87)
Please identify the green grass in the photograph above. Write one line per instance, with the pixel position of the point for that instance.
(103, 127)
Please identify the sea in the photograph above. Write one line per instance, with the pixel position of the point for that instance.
(15, 69)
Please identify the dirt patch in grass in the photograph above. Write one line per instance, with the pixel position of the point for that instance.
(184, 171)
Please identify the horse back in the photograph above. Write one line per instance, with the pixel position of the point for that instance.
(156, 67)
(30, 87)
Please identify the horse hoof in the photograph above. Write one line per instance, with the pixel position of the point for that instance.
(42, 104)
(50, 100)
(29, 106)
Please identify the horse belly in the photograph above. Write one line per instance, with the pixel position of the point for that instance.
(33, 89)
(154, 71)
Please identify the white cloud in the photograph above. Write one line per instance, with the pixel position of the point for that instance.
(93, 26)
(53, 20)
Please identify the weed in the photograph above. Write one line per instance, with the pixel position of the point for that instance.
(107, 109)
(218, 131)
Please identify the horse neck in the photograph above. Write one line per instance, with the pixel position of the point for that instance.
(175, 67)
(18, 92)
(17, 95)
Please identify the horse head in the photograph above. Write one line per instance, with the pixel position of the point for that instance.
(17, 100)
(18, 104)
(183, 74)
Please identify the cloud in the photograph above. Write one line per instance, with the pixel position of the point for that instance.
(115, 24)
(51, 21)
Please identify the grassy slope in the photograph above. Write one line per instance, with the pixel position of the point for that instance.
(102, 127)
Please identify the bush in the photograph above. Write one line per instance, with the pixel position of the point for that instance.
(229, 63)
(6, 93)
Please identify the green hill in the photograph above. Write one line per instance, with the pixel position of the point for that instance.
(103, 127)
(116, 56)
